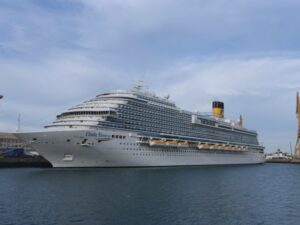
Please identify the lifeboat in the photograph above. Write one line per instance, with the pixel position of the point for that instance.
(157, 142)
(168, 142)
(183, 144)
(172, 143)
(237, 148)
(227, 147)
(212, 146)
(221, 147)
(233, 147)
(200, 146)
(203, 145)
(244, 148)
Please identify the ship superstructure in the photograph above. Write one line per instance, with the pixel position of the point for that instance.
(138, 128)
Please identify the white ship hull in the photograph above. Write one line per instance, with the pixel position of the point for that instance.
(92, 148)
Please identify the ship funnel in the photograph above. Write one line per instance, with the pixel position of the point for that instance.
(218, 109)
(241, 121)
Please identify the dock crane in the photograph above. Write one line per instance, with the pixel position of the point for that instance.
(297, 148)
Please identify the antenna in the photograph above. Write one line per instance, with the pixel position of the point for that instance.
(139, 86)
(241, 121)
(19, 122)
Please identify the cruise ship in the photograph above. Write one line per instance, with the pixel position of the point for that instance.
(136, 128)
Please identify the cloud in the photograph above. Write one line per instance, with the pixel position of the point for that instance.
(191, 26)
(138, 35)
(39, 91)
(57, 53)
(259, 77)
(261, 89)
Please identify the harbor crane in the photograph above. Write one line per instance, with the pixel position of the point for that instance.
(297, 148)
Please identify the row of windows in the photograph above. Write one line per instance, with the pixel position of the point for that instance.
(232, 138)
(118, 136)
(208, 122)
(157, 100)
(87, 113)
(181, 125)
(209, 133)
(152, 111)
(163, 150)
(147, 117)
(124, 143)
(153, 118)
(163, 119)
(165, 123)
(156, 109)
(176, 153)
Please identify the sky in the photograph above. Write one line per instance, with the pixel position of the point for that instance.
(55, 54)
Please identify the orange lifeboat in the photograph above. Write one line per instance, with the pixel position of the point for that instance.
(172, 143)
(157, 142)
(183, 144)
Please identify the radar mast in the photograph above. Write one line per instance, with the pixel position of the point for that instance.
(139, 86)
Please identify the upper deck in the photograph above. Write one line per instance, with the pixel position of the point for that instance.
(113, 106)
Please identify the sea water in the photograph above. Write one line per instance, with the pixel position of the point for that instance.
(227, 195)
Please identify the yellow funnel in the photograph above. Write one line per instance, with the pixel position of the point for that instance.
(218, 109)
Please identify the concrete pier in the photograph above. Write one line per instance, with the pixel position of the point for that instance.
(15, 162)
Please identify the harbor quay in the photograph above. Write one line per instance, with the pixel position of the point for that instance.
(16, 153)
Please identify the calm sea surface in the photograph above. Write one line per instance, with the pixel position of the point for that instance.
(259, 194)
